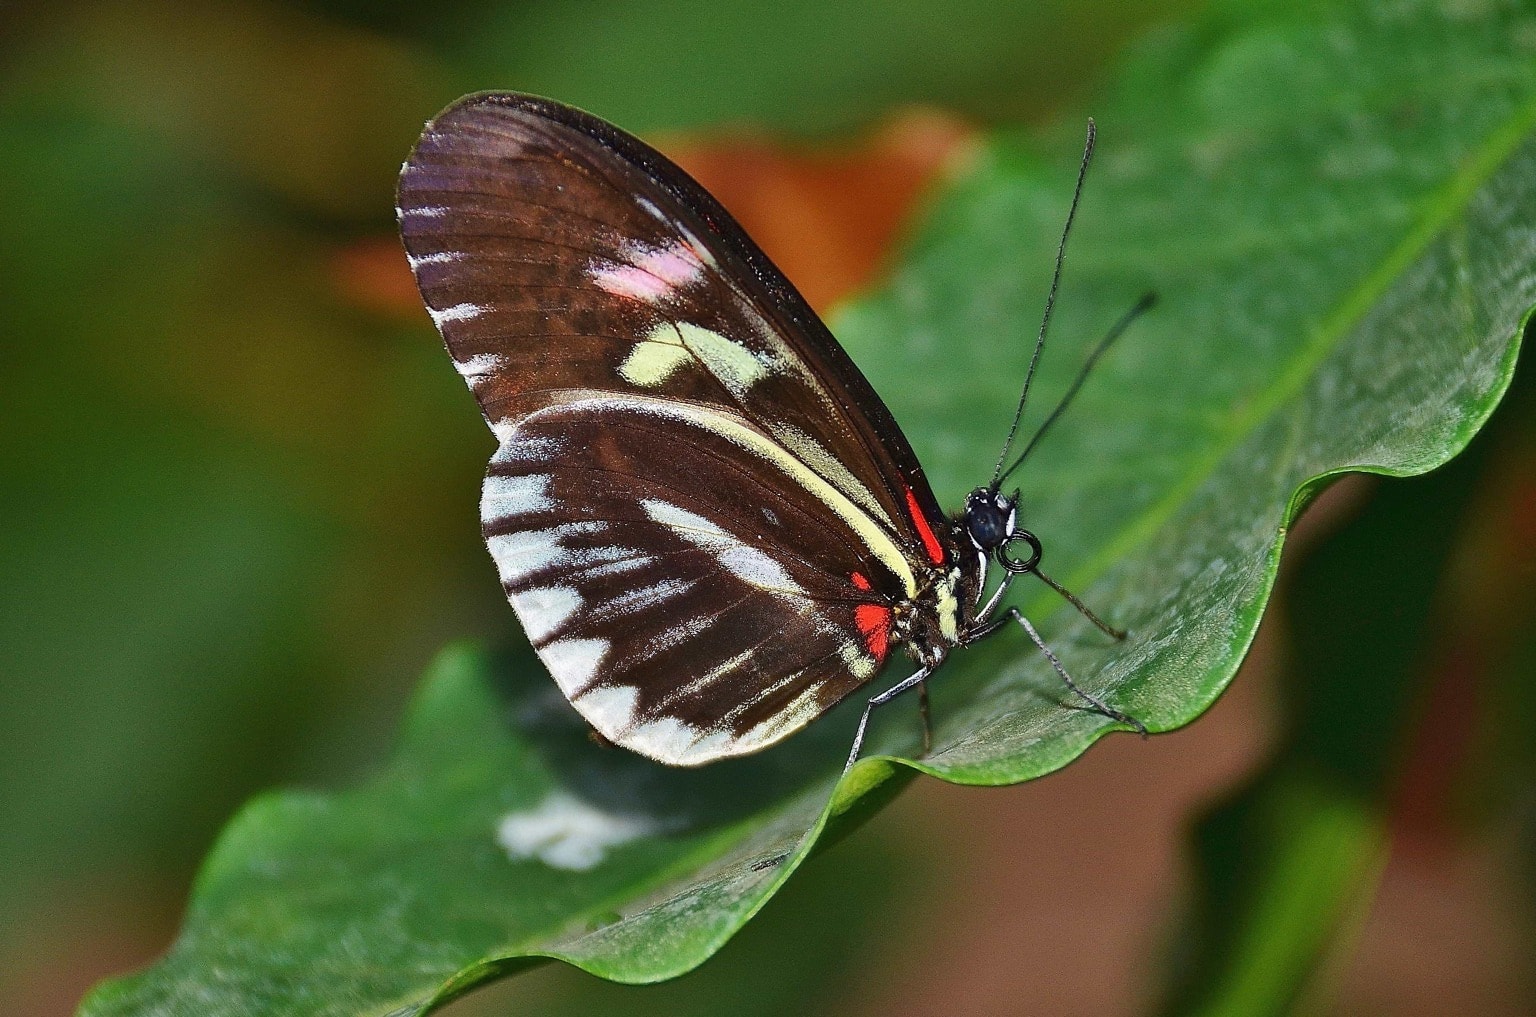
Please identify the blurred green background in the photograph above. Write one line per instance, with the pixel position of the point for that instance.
(238, 488)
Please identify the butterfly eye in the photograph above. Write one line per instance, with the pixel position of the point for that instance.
(988, 519)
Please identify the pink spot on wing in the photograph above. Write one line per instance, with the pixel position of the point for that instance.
(651, 274)
(678, 264)
(630, 281)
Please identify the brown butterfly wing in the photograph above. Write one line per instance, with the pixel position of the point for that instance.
(700, 509)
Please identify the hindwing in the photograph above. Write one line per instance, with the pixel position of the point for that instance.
(695, 591)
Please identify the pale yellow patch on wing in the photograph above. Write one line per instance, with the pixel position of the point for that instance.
(671, 345)
(654, 359)
(809, 451)
(858, 661)
(735, 365)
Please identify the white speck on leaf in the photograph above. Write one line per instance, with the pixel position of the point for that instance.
(565, 832)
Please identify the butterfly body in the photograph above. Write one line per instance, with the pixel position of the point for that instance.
(709, 524)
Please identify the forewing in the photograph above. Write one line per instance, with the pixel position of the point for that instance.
(560, 257)
(695, 592)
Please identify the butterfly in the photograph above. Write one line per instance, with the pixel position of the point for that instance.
(708, 523)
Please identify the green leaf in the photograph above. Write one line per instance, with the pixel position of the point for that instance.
(178, 197)
(795, 65)
(1334, 205)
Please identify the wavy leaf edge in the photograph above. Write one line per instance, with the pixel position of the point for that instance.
(871, 772)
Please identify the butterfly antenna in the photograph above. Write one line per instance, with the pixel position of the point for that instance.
(1142, 305)
(1050, 304)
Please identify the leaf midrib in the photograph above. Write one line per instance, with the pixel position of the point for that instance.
(1447, 202)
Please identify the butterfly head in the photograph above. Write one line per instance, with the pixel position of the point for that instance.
(991, 523)
(989, 518)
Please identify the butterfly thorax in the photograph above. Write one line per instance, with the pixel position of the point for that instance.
(939, 616)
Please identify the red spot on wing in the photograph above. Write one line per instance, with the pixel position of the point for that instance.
(874, 622)
(930, 542)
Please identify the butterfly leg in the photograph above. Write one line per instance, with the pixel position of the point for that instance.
(880, 700)
(1097, 703)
